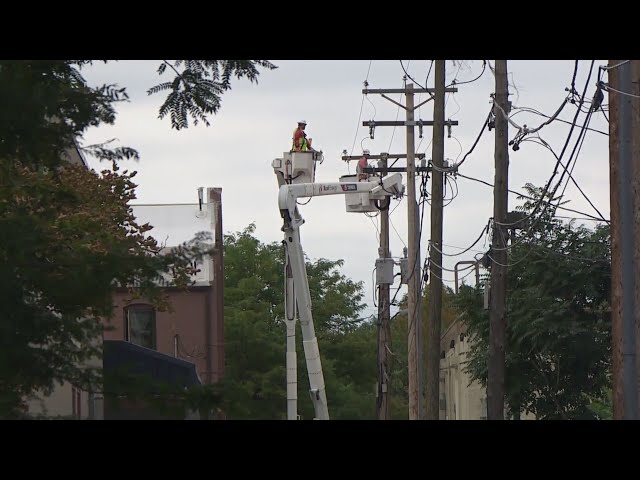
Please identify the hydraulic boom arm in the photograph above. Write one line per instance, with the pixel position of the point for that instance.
(287, 199)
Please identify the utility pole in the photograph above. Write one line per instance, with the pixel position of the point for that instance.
(217, 330)
(413, 244)
(413, 307)
(434, 322)
(384, 311)
(635, 145)
(384, 305)
(624, 165)
(498, 290)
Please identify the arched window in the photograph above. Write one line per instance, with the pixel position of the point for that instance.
(140, 325)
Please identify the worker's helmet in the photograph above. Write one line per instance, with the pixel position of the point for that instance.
(365, 152)
(302, 122)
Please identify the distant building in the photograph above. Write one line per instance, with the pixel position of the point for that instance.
(460, 398)
(185, 345)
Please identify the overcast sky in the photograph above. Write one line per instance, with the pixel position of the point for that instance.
(255, 124)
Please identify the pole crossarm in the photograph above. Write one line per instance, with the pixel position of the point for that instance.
(393, 169)
(401, 123)
(382, 156)
(406, 90)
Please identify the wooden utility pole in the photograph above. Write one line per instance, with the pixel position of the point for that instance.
(384, 305)
(434, 321)
(635, 146)
(384, 310)
(413, 244)
(498, 289)
(624, 165)
(413, 307)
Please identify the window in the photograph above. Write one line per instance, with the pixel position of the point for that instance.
(140, 325)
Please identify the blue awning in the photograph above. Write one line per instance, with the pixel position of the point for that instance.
(119, 355)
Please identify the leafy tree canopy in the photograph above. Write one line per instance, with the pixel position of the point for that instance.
(67, 234)
(558, 344)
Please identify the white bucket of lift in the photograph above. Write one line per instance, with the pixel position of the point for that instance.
(357, 202)
(302, 166)
(297, 167)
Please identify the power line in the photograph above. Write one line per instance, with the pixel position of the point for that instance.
(607, 67)
(608, 88)
(449, 270)
(392, 225)
(462, 248)
(162, 204)
(566, 144)
(426, 84)
(450, 180)
(484, 125)
(571, 257)
(370, 217)
(578, 143)
(445, 105)
(575, 161)
(426, 81)
(452, 281)
(532, 110)
(410, 77)
(514, 263)
(573, 80)
(484, 182)
(484, 67)
(361, 106)
(482, 233)
(545, 144)
(393, 132)
(394, 229)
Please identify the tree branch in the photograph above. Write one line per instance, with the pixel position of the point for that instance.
(555, 398)
(174, 69)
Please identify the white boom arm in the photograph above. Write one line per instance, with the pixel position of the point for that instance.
(292, 360)
(296, 268)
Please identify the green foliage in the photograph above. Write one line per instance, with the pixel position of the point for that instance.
(558, 325)
(46, 105)
(196, 90)
(255, 335)
(602, 407)
(67, 235)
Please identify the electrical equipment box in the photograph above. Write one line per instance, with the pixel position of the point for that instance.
(357, 202)
(384, 271)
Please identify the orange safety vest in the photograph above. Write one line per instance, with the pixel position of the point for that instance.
(300, 143)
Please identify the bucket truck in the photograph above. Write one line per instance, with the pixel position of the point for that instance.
(296, 179)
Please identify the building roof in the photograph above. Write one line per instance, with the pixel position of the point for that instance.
(75, 155)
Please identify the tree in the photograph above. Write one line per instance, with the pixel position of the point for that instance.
(255, 335)
(558, 333)
(255, 338)
(67, 234)
(196, 90)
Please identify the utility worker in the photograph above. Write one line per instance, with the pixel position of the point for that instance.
(300, 141)
(362, 164)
